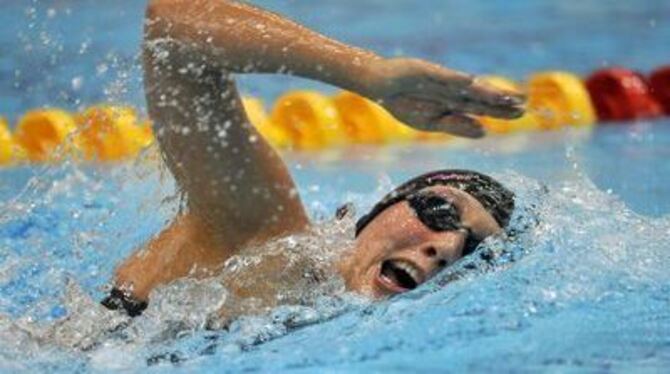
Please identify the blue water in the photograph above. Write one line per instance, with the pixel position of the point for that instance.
(586, 289)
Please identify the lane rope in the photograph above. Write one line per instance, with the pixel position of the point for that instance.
(310, 120)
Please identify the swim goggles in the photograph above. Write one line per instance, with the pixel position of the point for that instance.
(439, 214)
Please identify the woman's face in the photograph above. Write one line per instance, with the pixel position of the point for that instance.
(396, 252)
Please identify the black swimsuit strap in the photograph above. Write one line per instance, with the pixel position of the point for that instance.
(118, 299)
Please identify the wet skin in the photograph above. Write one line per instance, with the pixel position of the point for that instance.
(396, 252)
(192, 52)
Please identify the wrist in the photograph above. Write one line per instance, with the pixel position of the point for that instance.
(370, 78)
(360, 74)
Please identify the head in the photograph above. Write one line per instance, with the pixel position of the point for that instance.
(422, 227)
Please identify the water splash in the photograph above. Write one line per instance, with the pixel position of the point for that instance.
(576, 254)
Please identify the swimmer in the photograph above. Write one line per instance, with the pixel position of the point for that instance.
(239, 193)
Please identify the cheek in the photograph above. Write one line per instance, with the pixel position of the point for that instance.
(375, 251)
(402, 225)
(395, 241)
(407, 232)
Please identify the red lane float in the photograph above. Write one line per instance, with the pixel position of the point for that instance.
(620, 94)
(660, 86)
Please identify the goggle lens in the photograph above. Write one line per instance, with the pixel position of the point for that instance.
(435, 211)
(439, 214)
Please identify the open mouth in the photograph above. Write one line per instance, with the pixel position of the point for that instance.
(400, 276)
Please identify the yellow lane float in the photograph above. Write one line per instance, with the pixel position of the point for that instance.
(46, 134)
(528, 122)
(276, 135)
(6, 143)
(310, 119)
(111, 133)
(558, 99)
(366, 122)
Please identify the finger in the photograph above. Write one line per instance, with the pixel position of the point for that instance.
(466, 105)
(487, 94)
(459, 125)
(455, 78)
(477, 98)
(448, 80)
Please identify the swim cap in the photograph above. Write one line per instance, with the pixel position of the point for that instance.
(494, 197)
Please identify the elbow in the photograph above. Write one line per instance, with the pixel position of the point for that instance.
(163, 17)
(155, 8)
(159, 8)
(178, 9)
(159, 15)
(165, 12)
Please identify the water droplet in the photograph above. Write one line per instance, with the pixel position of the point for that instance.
(101, 69)
(77, 83)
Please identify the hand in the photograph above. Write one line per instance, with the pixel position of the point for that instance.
(429, 97)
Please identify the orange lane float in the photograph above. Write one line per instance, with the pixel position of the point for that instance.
(620, 94)
(276, 135)
(365, 122)
(46, 134)
(559, 99)
(310, 119)
(527, 122)
(6, 143)
(659, 81)
(111, 133)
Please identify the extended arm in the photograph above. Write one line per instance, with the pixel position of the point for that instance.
(240, 38)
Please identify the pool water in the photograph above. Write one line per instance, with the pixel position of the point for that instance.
(584, 286)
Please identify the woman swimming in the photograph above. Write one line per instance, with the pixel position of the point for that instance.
(239, 192)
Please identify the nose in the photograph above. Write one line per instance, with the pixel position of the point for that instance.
(444, 252)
